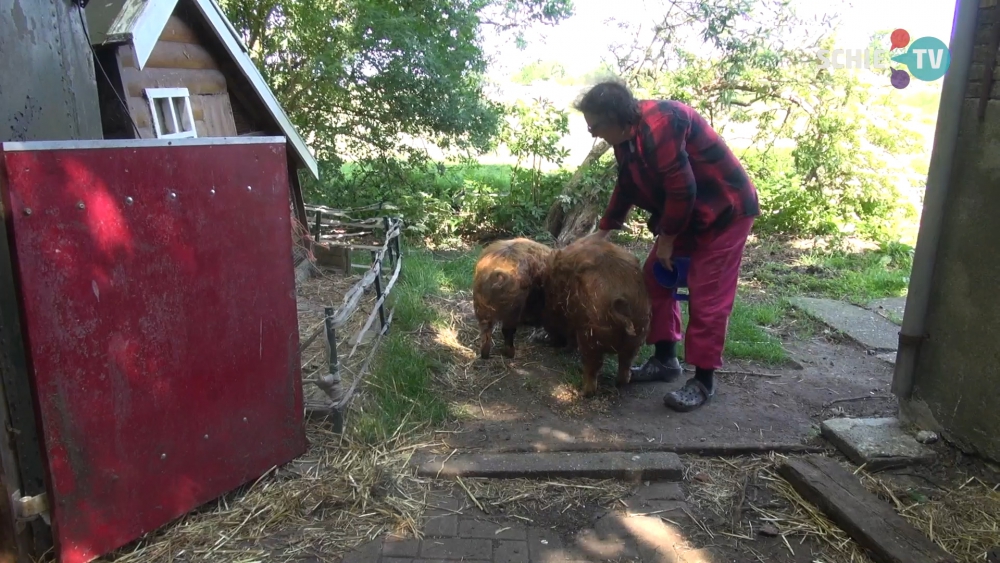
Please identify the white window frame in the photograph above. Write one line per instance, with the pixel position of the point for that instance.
(170, 94)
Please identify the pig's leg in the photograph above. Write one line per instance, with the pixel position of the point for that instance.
(485, 339)
(508, 329)
(625, 358)
(592, 364)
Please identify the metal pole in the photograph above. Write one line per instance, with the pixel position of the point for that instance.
(395, 239)
(913, 332)
(378, 291)
(331, 340)
(389, 246)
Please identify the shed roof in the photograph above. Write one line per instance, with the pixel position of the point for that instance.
(141, 22)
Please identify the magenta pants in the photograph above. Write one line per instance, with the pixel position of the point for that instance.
(712, 278)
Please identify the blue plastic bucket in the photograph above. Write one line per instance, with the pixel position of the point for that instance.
(673, 279)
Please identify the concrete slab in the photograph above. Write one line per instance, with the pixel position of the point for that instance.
(648, 466)
(877, 443)
(888, 357)
(869, 329)
(891, 307)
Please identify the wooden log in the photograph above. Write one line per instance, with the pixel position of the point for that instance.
(176, 31)
(871, 522)
(198, 82)
(173, 55)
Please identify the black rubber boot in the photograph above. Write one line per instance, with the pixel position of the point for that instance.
(655, 370)
(693, 395)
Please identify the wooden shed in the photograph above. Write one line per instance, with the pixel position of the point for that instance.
(178, 69)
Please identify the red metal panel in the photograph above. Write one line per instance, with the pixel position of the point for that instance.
(159, 308)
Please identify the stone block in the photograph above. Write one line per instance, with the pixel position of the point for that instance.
(474, 528)
(511, 552)
(877, 443)
(456, 548)
(647, 466)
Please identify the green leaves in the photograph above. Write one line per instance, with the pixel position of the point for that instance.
(363, 79)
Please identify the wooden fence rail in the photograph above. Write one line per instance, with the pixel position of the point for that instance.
(336, 319)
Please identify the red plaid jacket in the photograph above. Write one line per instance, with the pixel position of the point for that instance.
(681, 171)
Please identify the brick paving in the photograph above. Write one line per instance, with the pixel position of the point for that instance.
(455, 531)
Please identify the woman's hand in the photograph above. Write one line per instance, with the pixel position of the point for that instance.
(665, 251)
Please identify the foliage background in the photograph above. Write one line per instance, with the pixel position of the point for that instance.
(394, 98)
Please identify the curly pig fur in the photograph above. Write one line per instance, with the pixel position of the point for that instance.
(506, 288)
(595, 298)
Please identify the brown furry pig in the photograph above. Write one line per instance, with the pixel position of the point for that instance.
(595, 298)
(506, 288)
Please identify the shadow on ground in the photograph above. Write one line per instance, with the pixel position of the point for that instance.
(532, 402)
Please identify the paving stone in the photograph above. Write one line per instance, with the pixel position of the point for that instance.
(408, 560)
(892, 307)
(665, 508)
(647, 466)
(475, 528)
(511, 552)
(609, 539)
(660, 491)
(866, 327)
(888, 357)
(659, 542)
(366, 553)
(400, 547)
(878, 443)
(456, 548)
(441, 504)
(545, 546)
(441, 526)
(660, 498)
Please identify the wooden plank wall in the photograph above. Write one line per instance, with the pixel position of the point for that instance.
(179, 60)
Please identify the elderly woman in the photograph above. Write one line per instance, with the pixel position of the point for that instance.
(675, 166)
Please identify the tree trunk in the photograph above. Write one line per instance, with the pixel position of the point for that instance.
(568, 224)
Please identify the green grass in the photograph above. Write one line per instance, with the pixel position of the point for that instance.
(747, 339)
(857, 278)
(400, 383)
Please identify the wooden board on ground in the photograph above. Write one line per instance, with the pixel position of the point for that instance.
(868, 520)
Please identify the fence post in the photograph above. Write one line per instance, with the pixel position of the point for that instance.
(398, 237)
(386, 224)
(331, 340)
(378, 289)
(319, 223)
(337, 417)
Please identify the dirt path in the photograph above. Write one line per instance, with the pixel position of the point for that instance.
(532, 403)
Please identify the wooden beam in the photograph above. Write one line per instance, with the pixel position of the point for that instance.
(198, 82)
(167, 54)
(176, 31)
(871, 522)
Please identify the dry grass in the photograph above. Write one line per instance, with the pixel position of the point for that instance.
(730, 487)
(337, 496)
(557, 383)
(526, 499)
(803, 519)
(963, 518)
